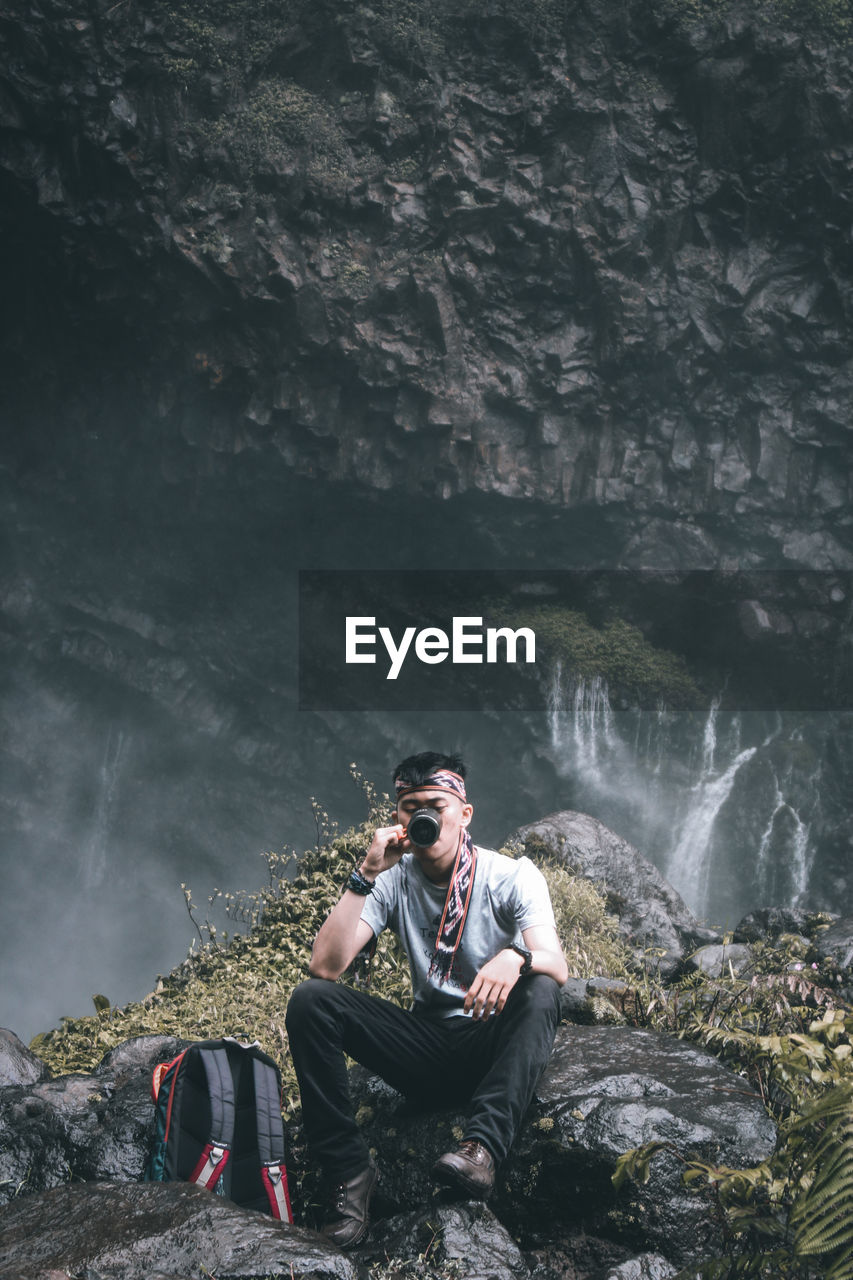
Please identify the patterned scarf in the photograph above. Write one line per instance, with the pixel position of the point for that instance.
(455, 909)
(461, 881)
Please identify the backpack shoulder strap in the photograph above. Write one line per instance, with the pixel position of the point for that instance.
(271, 1137)
(220, 1088)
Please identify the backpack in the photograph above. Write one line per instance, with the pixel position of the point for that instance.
(218, 1122)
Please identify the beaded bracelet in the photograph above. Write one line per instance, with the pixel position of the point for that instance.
(358, 884)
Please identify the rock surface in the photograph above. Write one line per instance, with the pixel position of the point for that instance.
(721, 959)
(468, 1238)
(17, 1064)
(130, 1232)
(648, 1266)
(591, 264)
(834, 946)
(95, 1127)
(651, 914)
(465, 1237)
(606, 1090)
(836, 943)
(771, 922)
(604, 1001)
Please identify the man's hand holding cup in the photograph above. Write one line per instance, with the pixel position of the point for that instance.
(386, 849)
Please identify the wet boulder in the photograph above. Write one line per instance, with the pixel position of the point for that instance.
(648, 1266)
(598, 1001)
(469, 1241)
(834, 948)
(91, 1128)
(836, 944)
(138, 1055)
(652, 915)
(605, 1091)
(120, 1232)
(770, 923)
(720, 960)
(466, 1238)
(17, 1064)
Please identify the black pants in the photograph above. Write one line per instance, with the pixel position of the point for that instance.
(493, 1066)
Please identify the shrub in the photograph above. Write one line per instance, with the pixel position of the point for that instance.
(616, 652)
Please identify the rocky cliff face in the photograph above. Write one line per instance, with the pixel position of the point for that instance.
(591, 258)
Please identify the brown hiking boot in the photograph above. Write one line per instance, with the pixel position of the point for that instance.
(470, 1167)
(349, 1215)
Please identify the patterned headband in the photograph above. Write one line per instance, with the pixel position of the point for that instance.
(441, 780)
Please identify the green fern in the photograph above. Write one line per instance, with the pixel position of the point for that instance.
(822, 1215)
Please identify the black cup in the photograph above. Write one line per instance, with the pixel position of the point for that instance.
(424, 827)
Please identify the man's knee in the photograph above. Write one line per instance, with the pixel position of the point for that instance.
(545, 990)
(539, 996)
(306, 1000)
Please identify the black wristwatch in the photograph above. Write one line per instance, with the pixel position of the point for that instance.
(527, 957)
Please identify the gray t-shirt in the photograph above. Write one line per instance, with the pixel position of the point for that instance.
(508, 896)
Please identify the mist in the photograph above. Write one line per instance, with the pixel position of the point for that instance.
(152, 736)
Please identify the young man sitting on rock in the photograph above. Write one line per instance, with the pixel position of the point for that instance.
(486, 967)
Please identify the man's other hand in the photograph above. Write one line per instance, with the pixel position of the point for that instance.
(488, 992)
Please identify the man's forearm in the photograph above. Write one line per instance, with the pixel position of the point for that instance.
(542, 960)
(551, 963)
(336, 941)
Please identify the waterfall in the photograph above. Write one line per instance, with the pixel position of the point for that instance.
(95, 859)
(717, 800)
(591, 720)
(689, 862)
(785, 855)
(709, 737)
(612, 774)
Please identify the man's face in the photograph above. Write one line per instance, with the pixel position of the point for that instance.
(453, 813)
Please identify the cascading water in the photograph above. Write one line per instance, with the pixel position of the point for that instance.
(96, 857)
(688, 864)
(615, 772)
(721, 802)
(785, 851)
